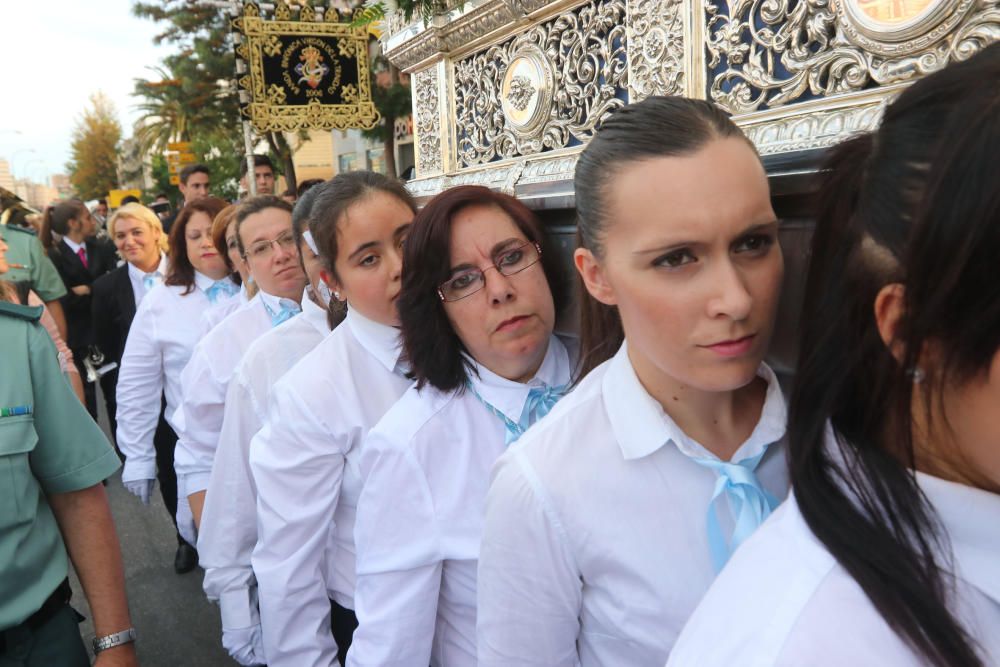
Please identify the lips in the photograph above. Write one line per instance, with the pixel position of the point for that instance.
(512, 323)
(734, 347)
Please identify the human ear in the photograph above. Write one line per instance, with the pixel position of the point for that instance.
(333, 284)
(888, 313)
(594, 276)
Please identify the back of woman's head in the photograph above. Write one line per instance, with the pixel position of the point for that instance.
(181, 271)
(657, 127)
(57, 219)
(915, 204)
(338, 195)
(430, 343)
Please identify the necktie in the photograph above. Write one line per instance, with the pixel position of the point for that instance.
(82, 254)
(749, 502)
(221, 289)
(151, 280)
(287, 309)
(539, 402)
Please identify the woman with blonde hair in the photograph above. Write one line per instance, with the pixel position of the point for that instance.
(139, 239)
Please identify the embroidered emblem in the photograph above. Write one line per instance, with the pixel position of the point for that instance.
(312, 69)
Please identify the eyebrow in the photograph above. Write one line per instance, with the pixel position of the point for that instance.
(756, 227)
(361, 248)
(494, 251)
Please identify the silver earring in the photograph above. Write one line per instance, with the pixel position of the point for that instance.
(336, 295)
(916, 374)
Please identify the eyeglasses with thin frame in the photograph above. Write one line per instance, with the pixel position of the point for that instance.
(508, 263)
(264, 248)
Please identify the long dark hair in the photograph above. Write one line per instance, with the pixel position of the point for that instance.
(181, 271)
(56, 219)
(654, 128)
(916, 203)
(430, 343)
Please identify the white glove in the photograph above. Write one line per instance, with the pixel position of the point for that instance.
(185, 520)
(241, 635)
(141, 488)
(245, 645)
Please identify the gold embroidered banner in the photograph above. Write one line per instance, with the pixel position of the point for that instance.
(304, 73)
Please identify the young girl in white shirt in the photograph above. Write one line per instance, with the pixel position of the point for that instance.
(477, 313)
(160, 342)
(607, 522)
(888, 552)
(305, 460)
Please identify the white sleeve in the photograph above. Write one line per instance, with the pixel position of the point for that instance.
(530, 589)
(398, 561)
(297, 462)
(139, 394)
(203, 407)
(229, 519)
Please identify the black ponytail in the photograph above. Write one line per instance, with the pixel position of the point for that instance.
(915, 203)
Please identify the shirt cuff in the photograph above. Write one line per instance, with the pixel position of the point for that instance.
(137, 468)
(239, 609)
(195, 482)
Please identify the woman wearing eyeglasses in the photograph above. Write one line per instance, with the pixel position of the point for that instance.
(477, 313)
(267, 246)
(224, 238)
(305, 458)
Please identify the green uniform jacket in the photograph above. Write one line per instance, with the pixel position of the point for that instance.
(48, 444)
(30, 264)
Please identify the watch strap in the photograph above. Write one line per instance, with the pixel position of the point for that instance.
(113, 640)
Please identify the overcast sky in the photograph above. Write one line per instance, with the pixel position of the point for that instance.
(56, 53)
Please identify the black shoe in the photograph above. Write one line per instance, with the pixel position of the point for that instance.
(186, 558)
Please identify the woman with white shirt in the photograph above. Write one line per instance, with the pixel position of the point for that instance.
(267, 246)
(477, 317)
(305, 460)
(888, 552)
(159, 344)
(224, 238)
(607, 522)
(229, 520)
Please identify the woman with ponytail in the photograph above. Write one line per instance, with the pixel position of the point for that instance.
(888, 553)
(606, 523)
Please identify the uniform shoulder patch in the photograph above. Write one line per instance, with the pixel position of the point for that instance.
(17, 311)
(19, 228)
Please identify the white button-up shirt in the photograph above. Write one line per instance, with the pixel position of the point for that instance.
(205, 382)
(785, 601)
(138, 279)
(159, 345)
(426, 468)
(306, 463)
(595, 547)
(229, 521)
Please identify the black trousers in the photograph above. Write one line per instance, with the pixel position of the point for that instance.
(343, 623)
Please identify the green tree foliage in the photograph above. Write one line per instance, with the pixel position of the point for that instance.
(93, 166)
(392, 99)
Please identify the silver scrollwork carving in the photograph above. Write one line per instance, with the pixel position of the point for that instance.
(584, 48)
(656, 48)
(428, 121)
(768, 53)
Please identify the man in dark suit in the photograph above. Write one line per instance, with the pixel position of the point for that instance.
(137, 235)
(80, 259)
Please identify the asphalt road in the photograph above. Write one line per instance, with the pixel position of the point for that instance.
(175, 624)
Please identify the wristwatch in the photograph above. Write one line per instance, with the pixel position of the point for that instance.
(113, 640)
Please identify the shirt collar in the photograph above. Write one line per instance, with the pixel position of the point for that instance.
(138, 274)
(203, 282)
(641, 426)
(970, 516)
(271, 301)
(314, 314)
(381, 341)
(509, 396)
(75, 247)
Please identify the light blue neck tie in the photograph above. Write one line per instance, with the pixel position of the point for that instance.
(539, 402)
(151, 280)
(749, 502)
(221, 289)
(287, 309)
